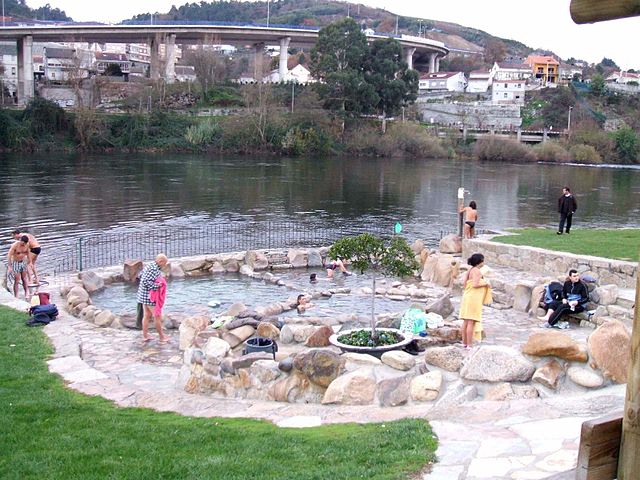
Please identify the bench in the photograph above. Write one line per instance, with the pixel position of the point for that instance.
(599, 448)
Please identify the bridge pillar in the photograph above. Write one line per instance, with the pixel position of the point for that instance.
(284, 57)
(258, 52)
(170, 58)
(437, 63)
(25, 70)
(408, 52)
(519, 134)
(545, 135)
(154, 51)
(432, 63)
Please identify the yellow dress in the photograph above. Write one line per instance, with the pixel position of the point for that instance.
(471, 305)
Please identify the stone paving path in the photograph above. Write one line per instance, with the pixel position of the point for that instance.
(518, 439)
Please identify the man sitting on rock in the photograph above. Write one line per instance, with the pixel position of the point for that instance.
(575, 295)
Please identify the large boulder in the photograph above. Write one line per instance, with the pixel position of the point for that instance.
(417, 246)
(104, 319)
(536, 295)
(354, 388)
(77, 295)
(268, 330)
(189, 328)
(442, 306)
(549, 374)
(297, 258)
(451, 243)
(321, 366)
(605, 295)
(448, 358)
(610, 347)
(320, 338)
(215, 350)
(441, 269)
(399, 360)
(497, 364)
(314, 258)
(256, 260)
(585, 377)
(91, 281)
(522, 296)
(394, 390)
(131, 270)
(551, 343)
(426, 387)
(176, 271)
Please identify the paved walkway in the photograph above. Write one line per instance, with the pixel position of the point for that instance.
(518, 439)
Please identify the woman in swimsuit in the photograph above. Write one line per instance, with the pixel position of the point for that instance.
(470, 217)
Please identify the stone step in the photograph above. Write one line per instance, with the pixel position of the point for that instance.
(626, 297)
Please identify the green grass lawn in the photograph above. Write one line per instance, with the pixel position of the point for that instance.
(621, 244)
(50, 432)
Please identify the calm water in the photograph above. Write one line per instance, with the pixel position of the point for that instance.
(62, 197)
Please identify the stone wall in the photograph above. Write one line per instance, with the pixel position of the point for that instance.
(551, 263)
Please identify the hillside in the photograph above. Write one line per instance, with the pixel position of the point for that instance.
(321, 13)
(18, 9)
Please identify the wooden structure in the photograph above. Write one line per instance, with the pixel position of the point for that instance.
(591, 11)
(599, 448)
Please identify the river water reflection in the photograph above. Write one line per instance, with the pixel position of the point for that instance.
(60, 197)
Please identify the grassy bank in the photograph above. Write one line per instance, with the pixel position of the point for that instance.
(620, 244)
(51, 432)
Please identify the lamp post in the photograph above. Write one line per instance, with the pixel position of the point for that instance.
(268, 12)
(569, 122)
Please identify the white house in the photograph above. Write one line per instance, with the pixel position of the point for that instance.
(185, 73)
(60, 64)
(623, 78)
(510, 71)
(442, 82)
(507, 91)
(9, 75)
(300, 74)
(104, 59)
(479, 81)
(567, 72)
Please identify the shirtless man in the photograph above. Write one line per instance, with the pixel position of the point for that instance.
(34, 251)
(470, 219)
(17, 261)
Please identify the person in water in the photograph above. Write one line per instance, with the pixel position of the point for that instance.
(470, 219)
(303, 304)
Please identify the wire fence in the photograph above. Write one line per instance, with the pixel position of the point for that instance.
(107, 249)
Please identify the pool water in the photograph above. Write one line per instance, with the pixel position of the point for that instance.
(191, 296)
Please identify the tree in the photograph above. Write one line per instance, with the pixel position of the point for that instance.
(210, 67)
(337, 61)
(598, 86)
(368, 252)
(627, 144)
(394, 83)
(494, 51)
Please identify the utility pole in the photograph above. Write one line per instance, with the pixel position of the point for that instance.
(293, 95)
(268, 13)
(396, 25)
(3, 13)
(569, 122)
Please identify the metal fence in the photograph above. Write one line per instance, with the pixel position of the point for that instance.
(106, 249)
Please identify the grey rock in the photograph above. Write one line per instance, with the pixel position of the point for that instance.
(497, 364)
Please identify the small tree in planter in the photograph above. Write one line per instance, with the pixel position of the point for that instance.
(367, 252)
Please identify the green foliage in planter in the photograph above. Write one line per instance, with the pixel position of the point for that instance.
(365, 338)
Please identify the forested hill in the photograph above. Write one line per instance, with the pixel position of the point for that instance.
(18, 9)
(322, 12)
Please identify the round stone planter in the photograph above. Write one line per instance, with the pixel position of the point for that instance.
(375, 351)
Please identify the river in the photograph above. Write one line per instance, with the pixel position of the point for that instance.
(61, 197)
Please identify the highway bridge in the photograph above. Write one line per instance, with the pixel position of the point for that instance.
(415, 49)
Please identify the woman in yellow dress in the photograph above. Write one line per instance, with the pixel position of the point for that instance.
(477, 292)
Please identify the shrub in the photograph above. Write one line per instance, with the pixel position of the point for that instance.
(502, 150)
(13, 133)
(415, 140)
(596, 138)
(204, 133)
(584, 154)
(300, 141)
(626, 144)
(45, 117)
(222, 96)
(551, 152)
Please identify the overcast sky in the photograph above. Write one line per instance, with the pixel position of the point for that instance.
(542, 24)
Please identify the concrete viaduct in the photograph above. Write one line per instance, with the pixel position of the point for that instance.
(415, 48)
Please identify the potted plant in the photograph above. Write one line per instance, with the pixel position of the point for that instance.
(369, 253)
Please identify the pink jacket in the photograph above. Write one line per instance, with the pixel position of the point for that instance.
(159, 295)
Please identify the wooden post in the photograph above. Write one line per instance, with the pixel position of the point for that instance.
(629, 461)
(590, 11)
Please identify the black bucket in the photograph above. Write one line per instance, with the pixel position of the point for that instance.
(260, 344)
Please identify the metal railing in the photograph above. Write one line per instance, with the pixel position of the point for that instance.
(107, 249)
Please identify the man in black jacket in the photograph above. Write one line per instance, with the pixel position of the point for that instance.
(575, 295)
(567, 206)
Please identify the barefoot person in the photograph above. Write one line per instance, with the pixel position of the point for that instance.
(17, 261)
(34, 251)
(477, 292)
(336, 264)
(148, 283)
(470, 219)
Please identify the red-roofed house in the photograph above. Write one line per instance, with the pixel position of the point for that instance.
(623, 77)
(545, 68)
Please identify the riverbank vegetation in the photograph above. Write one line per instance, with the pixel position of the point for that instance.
(619, 244)
(49, 431)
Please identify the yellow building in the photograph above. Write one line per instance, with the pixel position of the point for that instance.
(545, 68)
